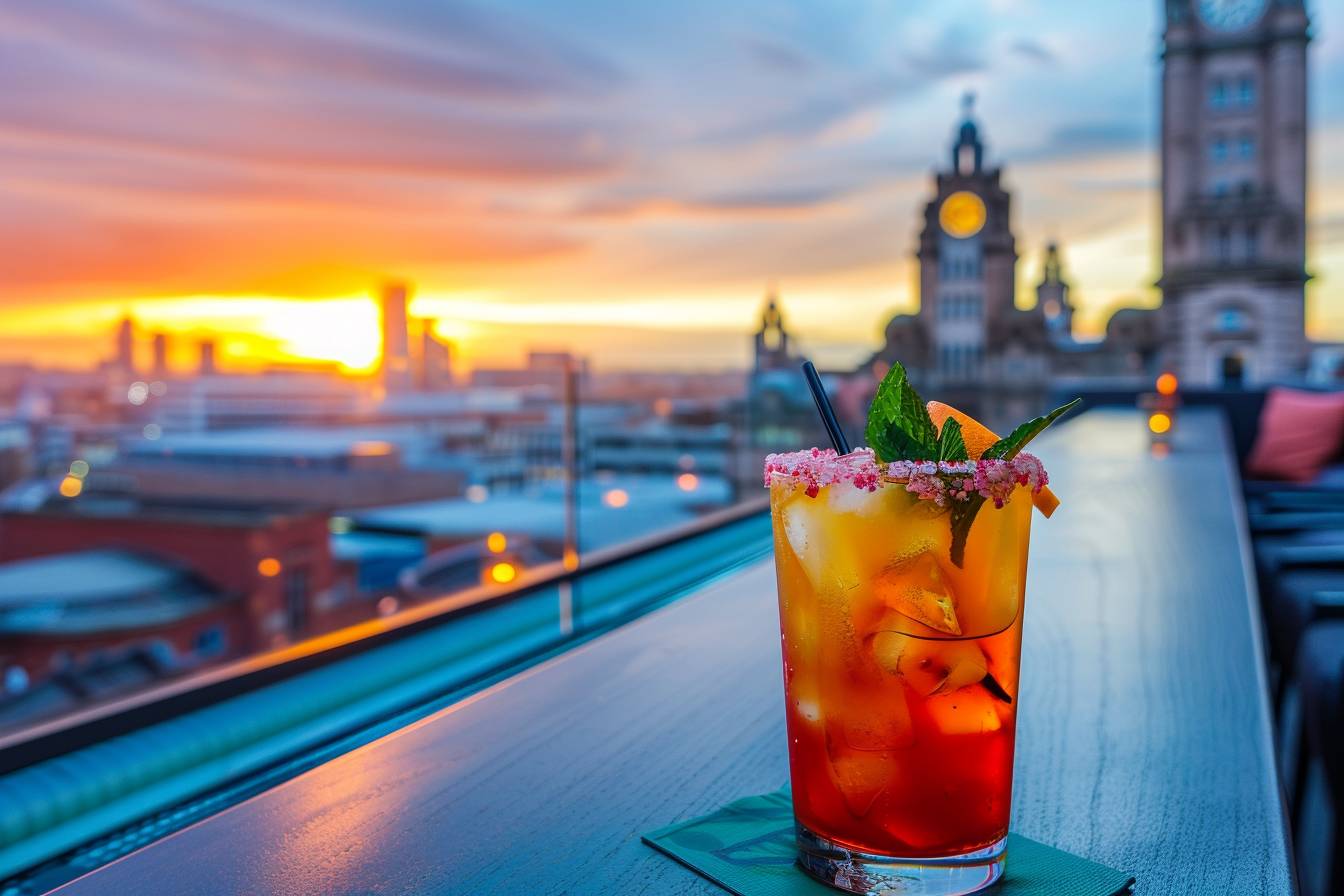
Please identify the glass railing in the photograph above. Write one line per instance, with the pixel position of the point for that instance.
(86, 788)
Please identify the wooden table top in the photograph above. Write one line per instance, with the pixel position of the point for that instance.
(1143, 732)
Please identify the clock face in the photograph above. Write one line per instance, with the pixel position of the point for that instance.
(1230, 15)
(962, 214)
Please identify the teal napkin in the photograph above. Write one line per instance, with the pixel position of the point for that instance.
(747, 848)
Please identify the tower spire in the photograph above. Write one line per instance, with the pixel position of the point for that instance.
(968, 153)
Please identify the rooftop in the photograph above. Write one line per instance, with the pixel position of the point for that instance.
(611, 509)
(96, 590)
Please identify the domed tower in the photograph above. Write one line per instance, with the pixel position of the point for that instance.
(771, 341)
(1052, 299)
(966, 259)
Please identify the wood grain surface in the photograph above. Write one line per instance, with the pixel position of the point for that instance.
(1143, 731)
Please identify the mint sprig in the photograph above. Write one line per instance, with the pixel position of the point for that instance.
(951, 445)
(899, 427)
(1008, 447)
(963, 516)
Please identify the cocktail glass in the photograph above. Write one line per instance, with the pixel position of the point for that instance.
(900, 676)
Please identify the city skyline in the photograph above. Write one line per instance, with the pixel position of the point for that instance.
(604, 199)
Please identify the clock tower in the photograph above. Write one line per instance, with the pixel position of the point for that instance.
(966, 260)
(1234, 130)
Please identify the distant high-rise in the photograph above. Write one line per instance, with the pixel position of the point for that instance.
(207, 363)
(396, 363)
(436, 360)
(1234, 189)
(125, 360)
(160, 354)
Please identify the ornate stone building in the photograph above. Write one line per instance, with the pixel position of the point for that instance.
(969, 342)
(771, 341)
(1234, 130)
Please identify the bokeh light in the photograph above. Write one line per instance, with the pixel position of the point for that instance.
(1167, 384)
(1159, 423)
(71, 486)
(688, 482)
(477, 493)
(496, 542)
(268, 567)
(137, 393)
(616, 497)
(503, 573)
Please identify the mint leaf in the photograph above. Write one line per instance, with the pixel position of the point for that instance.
(1007, 447)
(963, 515)
(951, 445)
(899, 427)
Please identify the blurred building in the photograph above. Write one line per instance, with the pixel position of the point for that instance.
(154, 589)
(275, 398)
(280, 467)
(544, 370)
(396, 359)
(206, 365)
(455, 533)
(126, 617)
(1052, 297)
(779, 412)
(17, 455)
(771, 341)
(125, 347)
(969, 341)
(434, 371)
(1234, 185)
(160, 354)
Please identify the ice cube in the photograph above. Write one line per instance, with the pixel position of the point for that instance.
(988, 585)
(966, 667)
(804, 693)
(971, 710)
(828, 554)
(846, 498)
(808, 710)
(918, 588)
(930, 666)
(861, 776)
(882, 724)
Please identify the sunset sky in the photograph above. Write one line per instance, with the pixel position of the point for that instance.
(622, 179)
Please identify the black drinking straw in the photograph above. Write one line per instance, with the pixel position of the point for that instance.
(824, 408)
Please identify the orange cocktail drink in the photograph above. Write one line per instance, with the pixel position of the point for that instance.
(901, 641)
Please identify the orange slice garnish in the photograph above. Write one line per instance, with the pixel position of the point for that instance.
(978, 437)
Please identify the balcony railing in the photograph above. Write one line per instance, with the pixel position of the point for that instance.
(255, 722)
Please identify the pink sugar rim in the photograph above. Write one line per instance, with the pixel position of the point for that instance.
(937, 481)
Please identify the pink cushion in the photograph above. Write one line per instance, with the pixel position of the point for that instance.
(1299, 433)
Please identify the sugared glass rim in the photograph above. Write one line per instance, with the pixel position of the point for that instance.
(938, 481)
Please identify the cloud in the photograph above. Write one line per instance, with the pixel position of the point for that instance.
(1033, 50)
(242, 83)
(464, 54)
(1088, 139)
(776, 56)
(955, 50)
(766, 202)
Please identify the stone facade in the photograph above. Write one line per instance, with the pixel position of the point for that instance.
(1234, 132)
